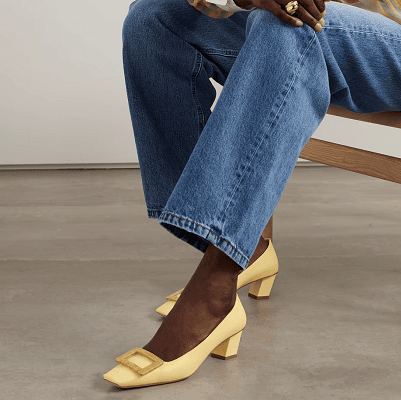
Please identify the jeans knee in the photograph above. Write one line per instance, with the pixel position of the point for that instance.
(143, 14)
(137, 17)
(259, 16)
(273, 30)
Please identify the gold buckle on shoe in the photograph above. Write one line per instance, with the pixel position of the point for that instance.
(175, 295)
(156, 361)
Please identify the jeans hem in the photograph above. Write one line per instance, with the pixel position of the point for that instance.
(199, 236)
(155, 213)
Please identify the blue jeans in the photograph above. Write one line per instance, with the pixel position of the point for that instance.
(217, 177)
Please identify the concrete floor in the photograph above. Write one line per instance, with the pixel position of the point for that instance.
(83, 270)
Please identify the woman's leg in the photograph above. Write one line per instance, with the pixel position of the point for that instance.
(275, 97)
(170, 50)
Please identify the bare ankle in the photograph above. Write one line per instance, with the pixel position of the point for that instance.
(216, 260)
(260, 249)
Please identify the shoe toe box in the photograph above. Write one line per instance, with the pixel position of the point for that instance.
(122, 376)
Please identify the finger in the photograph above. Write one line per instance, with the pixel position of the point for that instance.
(310, 7)
(283, 15)
(310, 17)
(320, 5)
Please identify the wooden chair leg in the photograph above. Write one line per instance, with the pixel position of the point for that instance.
(268, 231)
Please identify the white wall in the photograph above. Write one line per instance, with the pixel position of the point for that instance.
(63, 97)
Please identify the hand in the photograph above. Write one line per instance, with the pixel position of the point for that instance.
(309, 11)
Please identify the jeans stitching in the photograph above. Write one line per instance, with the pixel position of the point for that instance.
(366, 32)
(274, 119)
(221, 53)
(194, 76)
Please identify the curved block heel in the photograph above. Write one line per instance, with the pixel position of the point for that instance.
(261, 289)
(227, 349)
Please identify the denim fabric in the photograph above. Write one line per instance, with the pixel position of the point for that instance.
(217, 177)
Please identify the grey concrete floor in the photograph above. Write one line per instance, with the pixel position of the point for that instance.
(83, 270)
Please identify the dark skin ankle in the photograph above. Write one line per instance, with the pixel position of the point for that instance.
(206, 300)
(260, 249)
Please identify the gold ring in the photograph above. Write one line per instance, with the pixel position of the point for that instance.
(291, 7)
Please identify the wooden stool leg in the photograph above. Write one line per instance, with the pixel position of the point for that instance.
(268, 231)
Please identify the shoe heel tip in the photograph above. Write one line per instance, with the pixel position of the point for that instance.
(222, 357)
(258, 297)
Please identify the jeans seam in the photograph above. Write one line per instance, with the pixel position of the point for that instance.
(365, 32)
(194, 77)
(273, 119)
(221, 53)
